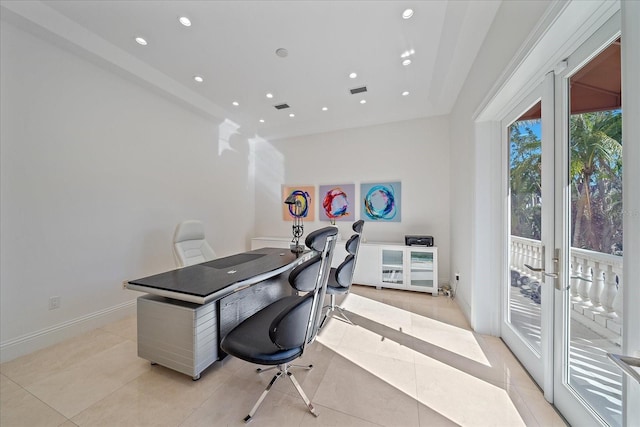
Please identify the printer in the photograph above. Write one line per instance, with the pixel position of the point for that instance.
(418, 240)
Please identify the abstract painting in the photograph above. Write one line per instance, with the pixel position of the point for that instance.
(381, 201)
(337, 202)
(305, 194)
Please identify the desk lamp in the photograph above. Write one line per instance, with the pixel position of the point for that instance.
(297, 227)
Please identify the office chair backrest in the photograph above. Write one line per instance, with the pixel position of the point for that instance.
(189, 244)
(352, 244)
(288, 330)
(344, 272)
(312, 275)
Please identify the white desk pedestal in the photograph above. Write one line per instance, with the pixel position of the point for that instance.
(179, 335)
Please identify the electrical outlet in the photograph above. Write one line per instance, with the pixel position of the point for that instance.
(124, 284)
(457, 277)
(54, 303)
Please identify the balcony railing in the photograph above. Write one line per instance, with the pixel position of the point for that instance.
(596, 287)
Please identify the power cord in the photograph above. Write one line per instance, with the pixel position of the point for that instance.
(453, 292)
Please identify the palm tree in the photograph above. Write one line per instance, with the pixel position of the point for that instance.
(594, 155)
(525, 181)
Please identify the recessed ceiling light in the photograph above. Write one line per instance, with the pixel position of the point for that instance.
(324, 108)
(353, 75)
(141, 41)
(407, 53)
(405, 93)
(199, 79)
(261, 120)
(292, 115)
(269, 95)
(185, 21)
(282, 52)
(363, 101)
(408, 13)
(235, 103)
(406, 62)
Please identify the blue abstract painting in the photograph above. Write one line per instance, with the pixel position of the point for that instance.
(381, 201)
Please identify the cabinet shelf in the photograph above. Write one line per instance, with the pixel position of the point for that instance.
(398, 266)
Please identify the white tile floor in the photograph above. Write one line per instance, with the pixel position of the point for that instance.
(409, 360)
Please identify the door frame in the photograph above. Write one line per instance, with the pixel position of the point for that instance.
(630, 177)
(540, 366)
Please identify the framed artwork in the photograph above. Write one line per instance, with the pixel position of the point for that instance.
(337, 202)
(381, 201)
(305, 194)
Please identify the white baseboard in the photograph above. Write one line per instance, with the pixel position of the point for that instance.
(37, 340)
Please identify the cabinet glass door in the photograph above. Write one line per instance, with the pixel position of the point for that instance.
(421, 269)
(392, 266)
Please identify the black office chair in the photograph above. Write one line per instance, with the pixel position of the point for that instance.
(279, 333)
(341, 277)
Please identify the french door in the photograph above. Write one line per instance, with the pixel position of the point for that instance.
(527, 134)
(563, 283)
(588, 387)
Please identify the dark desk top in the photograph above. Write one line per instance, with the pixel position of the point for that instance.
(213, 280)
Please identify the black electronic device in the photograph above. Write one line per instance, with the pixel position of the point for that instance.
(418, 240)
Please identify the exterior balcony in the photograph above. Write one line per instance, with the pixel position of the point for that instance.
(596, 293)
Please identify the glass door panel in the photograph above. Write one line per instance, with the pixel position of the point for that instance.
(393, 266)
(421, 269)
(592, 320)
(525, 187)
(529, 175)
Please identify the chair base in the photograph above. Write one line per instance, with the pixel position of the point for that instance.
(291, 365)
(340, 314)
(282, 369)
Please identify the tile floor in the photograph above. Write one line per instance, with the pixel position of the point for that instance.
(409, 360)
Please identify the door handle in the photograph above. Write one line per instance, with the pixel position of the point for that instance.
(555, 273)
(534, 268)
(541, 270)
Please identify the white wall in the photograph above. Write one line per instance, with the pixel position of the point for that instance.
(96, 172)
(472, 179)
(415, 152)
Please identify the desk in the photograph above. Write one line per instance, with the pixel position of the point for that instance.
(189, 310)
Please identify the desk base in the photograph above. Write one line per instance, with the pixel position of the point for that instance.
(180, 335)
(185, 336)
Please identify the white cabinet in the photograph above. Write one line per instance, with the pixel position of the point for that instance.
(398, 266)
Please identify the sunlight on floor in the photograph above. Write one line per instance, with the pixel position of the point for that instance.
(451, 338)
(430, 381)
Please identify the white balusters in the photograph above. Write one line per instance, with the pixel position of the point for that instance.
(586, 279)
(615, 324)
(574, 281)
(595, 284)
(609, 293)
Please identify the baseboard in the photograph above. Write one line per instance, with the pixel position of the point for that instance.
(37, 340)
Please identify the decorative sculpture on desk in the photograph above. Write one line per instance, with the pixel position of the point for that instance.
(295, 209)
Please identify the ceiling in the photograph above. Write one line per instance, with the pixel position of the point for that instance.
(232, 46)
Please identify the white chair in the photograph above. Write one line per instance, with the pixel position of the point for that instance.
(189, 244)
